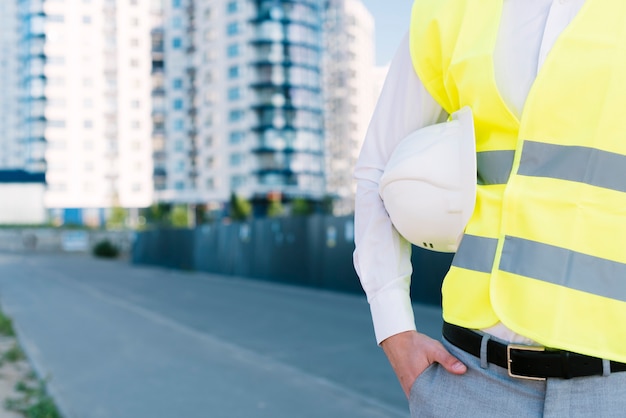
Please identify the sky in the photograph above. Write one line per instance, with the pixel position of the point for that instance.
(392, 21)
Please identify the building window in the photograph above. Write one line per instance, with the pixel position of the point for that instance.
(237, 181)
(236, 160)
(232, 28)
(236, 137)
(88, 124)
(179, 125)
(177, 83)
(179, 145)
(176, 3)
(87, 20)
(234, 93)
(177, 22)
(232, 7)
(233, 72)
(176, 43)
(177, 104)
(235, 115)
(179, 185)
(232, 50)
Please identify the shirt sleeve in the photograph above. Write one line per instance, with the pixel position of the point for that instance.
(382, 258)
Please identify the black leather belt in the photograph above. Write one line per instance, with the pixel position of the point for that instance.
(528, 362)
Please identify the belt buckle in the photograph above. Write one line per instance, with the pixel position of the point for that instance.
(520, 347)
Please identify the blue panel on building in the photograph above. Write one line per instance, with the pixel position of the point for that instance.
(21, 176)
(72, 216)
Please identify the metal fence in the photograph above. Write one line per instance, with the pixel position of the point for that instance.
(48, 239)
(311, 251)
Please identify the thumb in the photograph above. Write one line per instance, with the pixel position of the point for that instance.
(449, 362)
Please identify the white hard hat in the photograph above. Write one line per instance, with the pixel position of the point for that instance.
(429, 183)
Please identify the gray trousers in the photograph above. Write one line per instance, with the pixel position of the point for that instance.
(490, 392)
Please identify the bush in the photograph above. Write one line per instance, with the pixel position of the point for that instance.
(6, 325)
(105, 249)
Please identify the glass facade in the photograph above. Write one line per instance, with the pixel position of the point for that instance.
(32, 62)
(287, 117)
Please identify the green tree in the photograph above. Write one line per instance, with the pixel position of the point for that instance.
(158, 213)
(240, 209)
(275, 209)
(301, 207)
(117, 218)
(179, 216)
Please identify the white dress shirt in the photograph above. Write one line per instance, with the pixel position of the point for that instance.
(527, 32)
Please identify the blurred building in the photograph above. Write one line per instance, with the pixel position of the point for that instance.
(242, 103)
(85, 103)
(22, 197)
(351, 90)
(10, 153)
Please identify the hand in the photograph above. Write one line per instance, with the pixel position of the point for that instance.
(410, 353)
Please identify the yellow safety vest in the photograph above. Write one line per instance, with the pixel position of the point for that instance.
(545, 250)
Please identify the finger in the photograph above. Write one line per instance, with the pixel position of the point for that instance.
(449, 362)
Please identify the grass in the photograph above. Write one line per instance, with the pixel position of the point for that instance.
(6, 326)
(33, 400)
(14, 354)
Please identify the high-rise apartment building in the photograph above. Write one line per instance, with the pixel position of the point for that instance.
(85, 103)
(243, 101)
(350, 94)
(10, 155)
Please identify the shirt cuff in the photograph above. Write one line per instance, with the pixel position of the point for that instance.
(392, 313)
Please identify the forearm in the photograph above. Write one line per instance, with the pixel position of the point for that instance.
(382, 256)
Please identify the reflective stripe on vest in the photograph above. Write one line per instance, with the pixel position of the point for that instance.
(478, 254)
(545, 250)
(494, 167)
(565, 162)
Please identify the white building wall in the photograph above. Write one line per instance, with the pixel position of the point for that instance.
(10, 153)
(212, 58)
(350, 97)
(22, 203)
(133, 104)
(223, 88)
(98, 89)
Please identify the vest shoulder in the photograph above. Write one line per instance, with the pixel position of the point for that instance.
(434, 33)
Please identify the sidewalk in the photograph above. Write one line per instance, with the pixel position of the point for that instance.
(120, 341)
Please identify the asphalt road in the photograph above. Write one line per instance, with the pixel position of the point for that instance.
(120, 341)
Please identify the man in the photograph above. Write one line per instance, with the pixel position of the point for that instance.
(543, 259)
